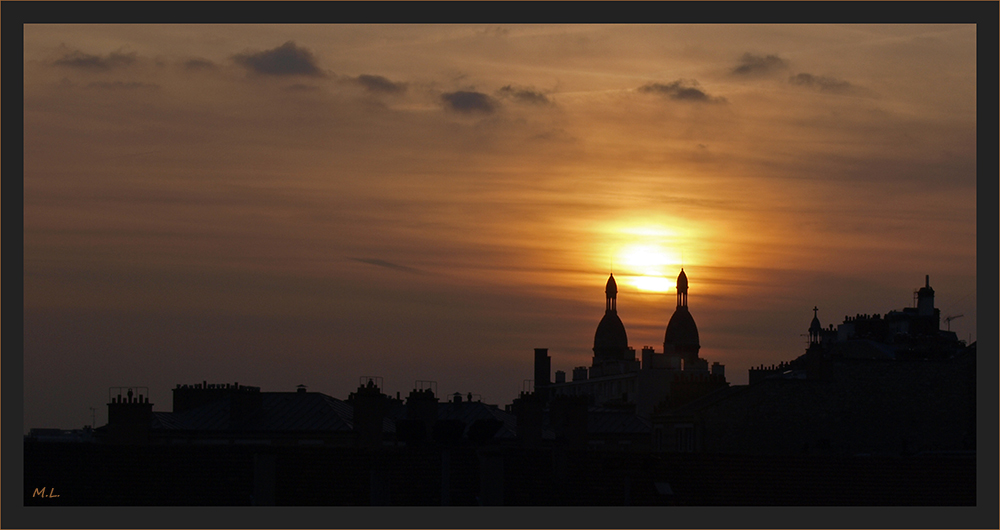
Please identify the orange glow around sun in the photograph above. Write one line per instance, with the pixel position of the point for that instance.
(648, 258)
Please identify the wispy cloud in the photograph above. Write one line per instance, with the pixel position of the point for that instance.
(681, 90)
(86, 61)
(301, 87)
(123, 85)
(758, 65)
(377, 83)
(199, 64)
(388, 265)
(285, 60)
(822, 83)
(524, 95)
(469, 102)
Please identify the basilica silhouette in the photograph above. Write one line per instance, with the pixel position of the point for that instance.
(617, 379)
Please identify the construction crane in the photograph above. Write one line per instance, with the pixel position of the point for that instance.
(947, 320)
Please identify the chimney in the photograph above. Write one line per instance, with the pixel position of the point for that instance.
(370, 407)
(543, 367)
(718, 369)
(925, 299)
(647, 357)
(422, 405)
(130, 415)
(421, 414)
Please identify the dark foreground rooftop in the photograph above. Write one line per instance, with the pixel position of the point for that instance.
(235, 475)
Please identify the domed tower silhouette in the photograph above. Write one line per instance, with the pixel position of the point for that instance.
(682, 333)
(610, 341)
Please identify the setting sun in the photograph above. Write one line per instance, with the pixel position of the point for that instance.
(649, 265)
(655, 284)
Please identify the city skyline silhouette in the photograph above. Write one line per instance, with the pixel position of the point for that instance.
(888, 402)
(301, 205)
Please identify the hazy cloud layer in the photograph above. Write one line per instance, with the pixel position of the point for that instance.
(199, 64)
(123, 85)
(754, 65)
(301, 87)
(86, 61)
(377, 83)
(285, 60)
(681, 90)
(469, 102)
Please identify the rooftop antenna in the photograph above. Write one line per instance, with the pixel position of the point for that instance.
(947, 320)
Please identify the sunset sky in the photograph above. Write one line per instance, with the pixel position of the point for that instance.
(309, 204)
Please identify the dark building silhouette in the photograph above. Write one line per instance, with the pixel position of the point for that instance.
(225, 413)
(891, 386)
(232, 444)
(911, 333)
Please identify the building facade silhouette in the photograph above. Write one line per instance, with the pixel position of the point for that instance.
(894, 385)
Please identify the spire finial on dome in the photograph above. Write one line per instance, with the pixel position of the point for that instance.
(611, 291)
(682, 289)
